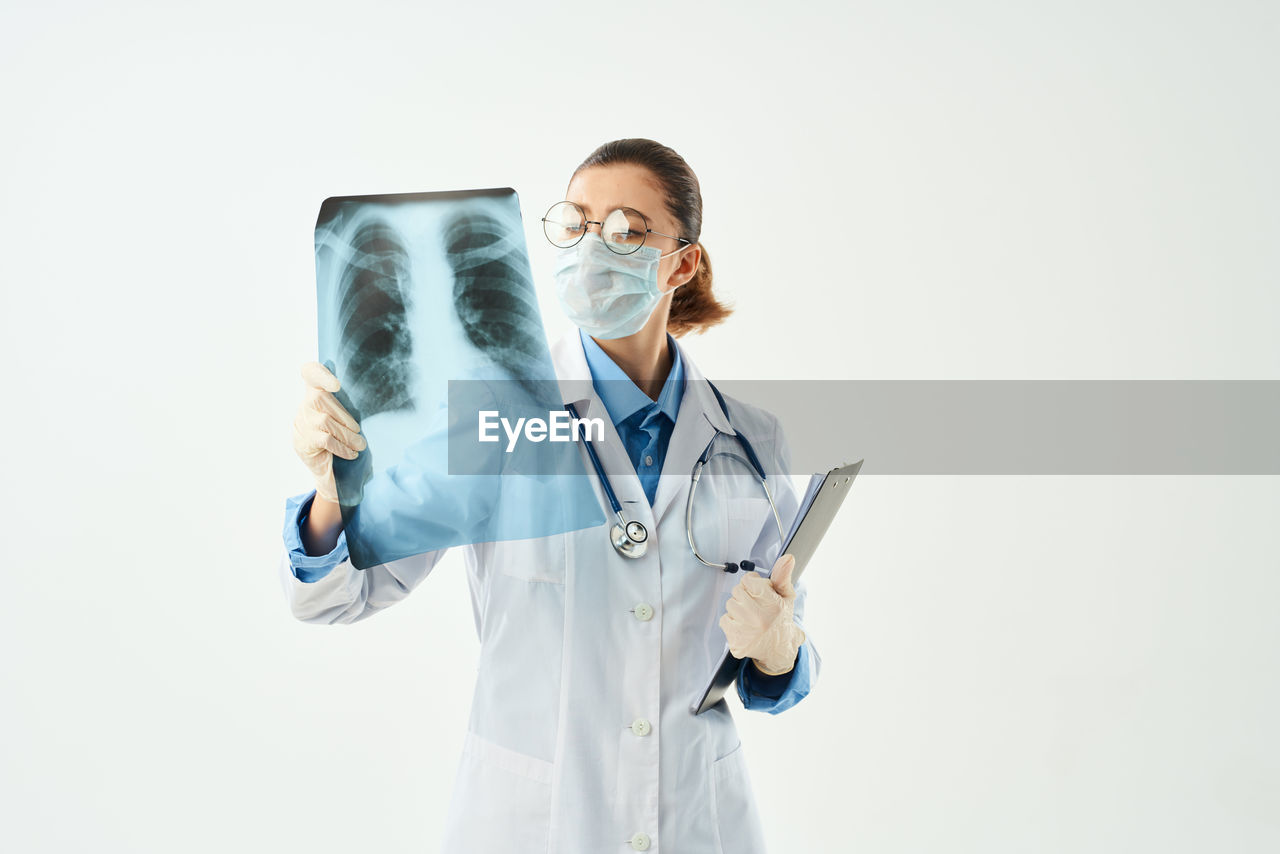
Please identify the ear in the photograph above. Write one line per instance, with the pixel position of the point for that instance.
(686, 268)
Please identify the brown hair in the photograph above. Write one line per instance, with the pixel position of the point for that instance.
(693, 307)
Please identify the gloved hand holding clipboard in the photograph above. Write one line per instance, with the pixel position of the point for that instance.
(822, 499)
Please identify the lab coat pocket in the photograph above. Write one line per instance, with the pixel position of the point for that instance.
(501, 801)
(737, 818)
(540, 559)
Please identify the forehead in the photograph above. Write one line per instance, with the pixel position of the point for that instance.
(601, 189)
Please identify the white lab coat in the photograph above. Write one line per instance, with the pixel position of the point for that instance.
(580, 735)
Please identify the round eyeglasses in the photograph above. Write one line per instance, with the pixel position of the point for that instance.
(623, 230)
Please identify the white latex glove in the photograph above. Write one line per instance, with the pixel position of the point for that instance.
(758, 620)
(323, 427)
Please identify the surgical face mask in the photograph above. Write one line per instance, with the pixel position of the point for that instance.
(605, 294)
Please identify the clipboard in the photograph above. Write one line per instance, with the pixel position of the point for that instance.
(822, 499)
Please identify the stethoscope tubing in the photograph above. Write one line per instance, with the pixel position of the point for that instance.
(595, 461)
(631, 546)
(693, 487)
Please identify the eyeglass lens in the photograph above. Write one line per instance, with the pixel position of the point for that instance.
(623, 230)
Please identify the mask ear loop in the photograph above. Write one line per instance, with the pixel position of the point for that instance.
(674, 251)
(668, 255)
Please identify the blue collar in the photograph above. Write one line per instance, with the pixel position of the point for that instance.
(622, 397)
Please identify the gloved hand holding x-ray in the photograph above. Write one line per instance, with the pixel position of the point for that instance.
(427, 316)
(323, 429)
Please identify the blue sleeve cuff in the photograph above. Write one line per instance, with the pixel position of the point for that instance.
(761, 692)
(308, 568)
(767, 685)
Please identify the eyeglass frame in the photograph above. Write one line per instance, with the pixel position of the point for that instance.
(589, 222)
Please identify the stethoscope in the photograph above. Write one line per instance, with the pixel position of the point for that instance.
(630, 538)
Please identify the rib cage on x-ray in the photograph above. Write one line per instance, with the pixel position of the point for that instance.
(493, 294)
(426, 313)
(376, 345)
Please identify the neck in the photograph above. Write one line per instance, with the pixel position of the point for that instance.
(643, 357)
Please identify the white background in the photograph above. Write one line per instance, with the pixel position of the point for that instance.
(986, 190)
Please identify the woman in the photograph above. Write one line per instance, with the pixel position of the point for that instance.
(581, 737)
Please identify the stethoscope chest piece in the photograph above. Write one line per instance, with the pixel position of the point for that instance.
(628, 537)
(631, 539)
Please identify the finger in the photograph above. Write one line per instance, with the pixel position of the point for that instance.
(780, 578)
(321, 422)
(757, 585)
(739, 610)
(335, 447)
(302, 428)
(318, 376)
(325, 402)
(733, 633)
(305, 447)
(351, 439)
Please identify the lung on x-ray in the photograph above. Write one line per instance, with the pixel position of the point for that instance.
(417, 295)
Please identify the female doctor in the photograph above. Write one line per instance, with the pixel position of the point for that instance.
(581, 737)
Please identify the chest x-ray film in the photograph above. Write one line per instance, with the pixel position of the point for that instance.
(419, 294)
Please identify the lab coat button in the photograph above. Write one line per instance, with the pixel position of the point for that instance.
(643, 612)
(640, 842)
(641, 727)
